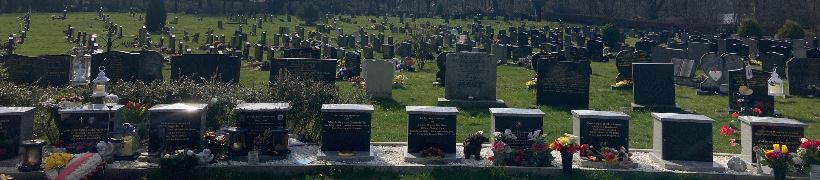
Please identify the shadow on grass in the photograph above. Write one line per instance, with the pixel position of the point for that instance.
(388, 103)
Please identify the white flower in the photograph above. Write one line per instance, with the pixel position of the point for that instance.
(181, 151)
(497, 134)
(189, 153)
(804, 140)
(480, 132)
(534, 135)
(166, 156)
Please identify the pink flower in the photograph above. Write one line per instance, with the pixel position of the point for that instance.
(498, 146)
(732, 142)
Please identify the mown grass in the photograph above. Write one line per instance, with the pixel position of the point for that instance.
(390, 119)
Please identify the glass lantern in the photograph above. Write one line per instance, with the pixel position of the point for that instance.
(100, 84)
(236, 142)
(32, 155)
(130, 142)
(775, 84)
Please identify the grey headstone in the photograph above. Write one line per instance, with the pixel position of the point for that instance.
(378, 76)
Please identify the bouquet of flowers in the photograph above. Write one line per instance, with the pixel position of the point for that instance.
(612, 156)
(808, 153)
(622, 84)
(778, 158)
(531, 84)
(399, 81)
(135, 112)
(216, 143)
(73, 166)
(566, 143)
(538, 155)
(500, 148)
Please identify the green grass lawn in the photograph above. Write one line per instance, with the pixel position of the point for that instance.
(390, 120)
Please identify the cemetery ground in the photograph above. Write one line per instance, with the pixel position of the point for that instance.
(390, 119)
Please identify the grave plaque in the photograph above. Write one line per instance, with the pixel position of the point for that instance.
(624, 61)
(765, 131)
(654, 88)
(143, 66)
(563, 83)
(200, 67)
(804, 77)
(16, 125)
(601, 128)
(323, 70)
(346, 129)
(753, 90)
(353, 62)
(500, 52)
(470, 76)
(175, 126)
(519, 121)
(431, 127)
(379, 78)
(82, 128)
(684, 67)
(683, 142)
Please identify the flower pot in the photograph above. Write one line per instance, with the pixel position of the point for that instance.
(779, 172)
(566, 163)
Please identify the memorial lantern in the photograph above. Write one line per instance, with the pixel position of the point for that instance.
(775, 84)
(130, 141)
(100, 84)
(32, 155)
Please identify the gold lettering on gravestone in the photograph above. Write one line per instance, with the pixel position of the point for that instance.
(346, 122)
(85, 134)
(766, 138)
(561, 79)
(604, 129)
(177, 131)
(431, 126)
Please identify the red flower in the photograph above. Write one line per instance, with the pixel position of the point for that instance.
(757, 111)
(772, 155)
(735, 115)
(609, 156)
(727, 130)
(810, 144)
(498, 146)
(519, 157)
(490, 158)
(583, 149)
(732, 142)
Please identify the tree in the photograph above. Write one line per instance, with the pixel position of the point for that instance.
(750, 28)
(155, 16)
(612, 36)
(791, 30)
(309, 13)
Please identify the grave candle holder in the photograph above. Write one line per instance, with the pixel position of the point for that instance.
(33, 155)
(100, 84)
(237, 145)
(130, 142)
(775, 84)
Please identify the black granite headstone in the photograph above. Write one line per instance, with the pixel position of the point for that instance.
(754, 92)
(519, 121)
(16, 125)
(624, 60)
(654, 87)
(346, 127)
(80, 129)
(601, 128)
(200, 67)
(43, 70)
(563, 83)
(176, 126)
(323, 70)
(302, 53)
(765, 131)
(804, 77)
(431, 127)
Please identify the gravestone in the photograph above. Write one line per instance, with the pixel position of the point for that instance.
(202, 67)
(813, 53)
(601, 128)
(730, 62)
(804, 77)
(323, 70)
(471, 80)
(175, 126)
(302, 53)
(346, 133)
(16, 125)
(519, 121)
(82, 128)
(378, 76)
(683, 142)
(500, 52)
(256, 118)
(54, 70)
(441, 60)
(595, 50)
(712, 66)
(696, 50)
(624, 61)
(765, 131)
(665, 55)
(431, 128)
(771, 60)
(563, 83)
(753, 91)
(353, 63)
(654, 88)
(684, 67)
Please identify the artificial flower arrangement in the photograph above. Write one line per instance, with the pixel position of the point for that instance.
(808, 154)
(611, 156)
(538, 155)
(358, 82)
(399, 81)
(567, 145)
(531, 84)
(179, 162)
(731, 131)
(778, 158)
(217, 143)
(61, 165)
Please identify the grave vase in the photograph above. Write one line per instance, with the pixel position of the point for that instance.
(779, 172)
(566, 163)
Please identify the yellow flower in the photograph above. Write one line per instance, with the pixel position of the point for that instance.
(784, 149)
(530, 83)
(57, 160)
(776, 147)
(5, 177)
(563, 140)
